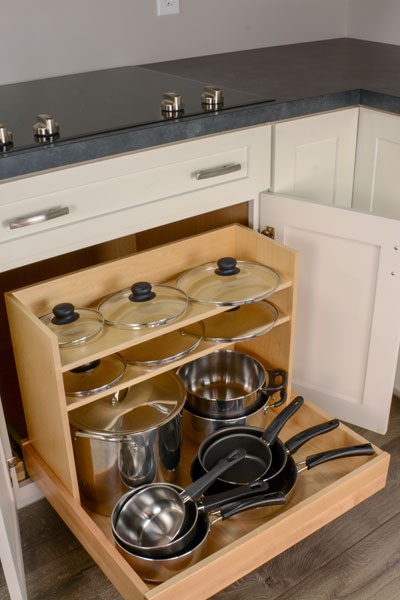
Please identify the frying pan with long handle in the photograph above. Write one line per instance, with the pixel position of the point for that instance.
(280, 452)
(258, 457)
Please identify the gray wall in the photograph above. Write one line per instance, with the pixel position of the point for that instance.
(376, 20)
(52, 37)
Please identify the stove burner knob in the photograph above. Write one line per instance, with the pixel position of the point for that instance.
(6, 137)
(46, 127)
(172, 105)
(212, 98)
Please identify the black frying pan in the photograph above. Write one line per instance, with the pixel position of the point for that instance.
(258, 459)
(280, 451)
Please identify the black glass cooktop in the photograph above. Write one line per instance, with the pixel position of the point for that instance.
(101, 102)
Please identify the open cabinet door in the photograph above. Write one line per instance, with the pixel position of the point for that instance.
(348, 313)
(10, 544)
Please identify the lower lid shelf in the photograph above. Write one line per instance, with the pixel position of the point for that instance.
(242, 543)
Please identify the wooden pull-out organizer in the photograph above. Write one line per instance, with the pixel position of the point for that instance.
(236, 546)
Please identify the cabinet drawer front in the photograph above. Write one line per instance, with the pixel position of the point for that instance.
(65, 210)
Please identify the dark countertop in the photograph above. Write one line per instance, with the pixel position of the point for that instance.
(303, 79)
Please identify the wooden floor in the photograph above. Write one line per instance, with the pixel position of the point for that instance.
(357, 557)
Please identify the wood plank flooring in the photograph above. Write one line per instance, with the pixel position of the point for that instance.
(357, 557)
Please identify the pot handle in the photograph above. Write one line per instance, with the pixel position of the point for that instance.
(272, 388)
(322, 457)
(195, 490)
(98, 436)
(271, 433)
(298, 440)
(216, 501)
(233, 508)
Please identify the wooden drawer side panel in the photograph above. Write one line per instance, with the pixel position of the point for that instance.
(42, 390)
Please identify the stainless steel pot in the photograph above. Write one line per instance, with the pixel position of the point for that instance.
(121, 443)
(157, 520)
(228, 384)
(198, 428)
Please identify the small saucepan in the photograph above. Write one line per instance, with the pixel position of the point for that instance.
(122, 528)
(160, 569)
(228, 384)
(258, 459)
(154, 513)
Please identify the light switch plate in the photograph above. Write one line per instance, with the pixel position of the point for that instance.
(167, 7)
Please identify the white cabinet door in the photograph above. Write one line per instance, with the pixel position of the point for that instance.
(10, 544)
(313, 157)
(348, 317)
(377, 174)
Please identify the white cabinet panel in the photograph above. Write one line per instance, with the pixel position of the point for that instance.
(10, 544)
(377, 173)
(348, 318)
(314, 157)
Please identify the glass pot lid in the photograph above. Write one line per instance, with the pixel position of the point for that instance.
(167, 347)
(95, 376)
(229, 282)
(143, 406)
(241, 322)
(143, 305)
(73, 325)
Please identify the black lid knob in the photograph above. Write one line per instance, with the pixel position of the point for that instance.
(64, 313)
(227, 266)
(141, 292)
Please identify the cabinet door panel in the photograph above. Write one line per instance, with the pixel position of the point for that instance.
(10, 546)
(314, 157)
(377, 175)
(348, 322)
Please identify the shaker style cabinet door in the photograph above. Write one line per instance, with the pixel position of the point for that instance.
(313, 157)
(10, 544)
(347, 328)
(377, 173)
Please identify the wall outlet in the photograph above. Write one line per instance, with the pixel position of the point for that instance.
(167, 7)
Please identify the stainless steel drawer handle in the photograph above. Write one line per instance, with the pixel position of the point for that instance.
(51, 213)
(217, 171)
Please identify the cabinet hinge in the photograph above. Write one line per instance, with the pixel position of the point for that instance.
(12, 462)
(269, 232)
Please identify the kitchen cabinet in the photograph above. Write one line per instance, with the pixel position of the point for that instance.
(131, 193)
(56, 212)
(313, 157)
(235, 547)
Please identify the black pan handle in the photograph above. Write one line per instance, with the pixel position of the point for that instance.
(277, 382)
(322, 457)
(196, 489)
(216, 501)
(269, 499)
(271, 433)
(298, 440)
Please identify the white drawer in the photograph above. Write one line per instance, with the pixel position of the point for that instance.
(64, 210)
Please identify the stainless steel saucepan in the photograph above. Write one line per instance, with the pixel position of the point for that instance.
(153, 514)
